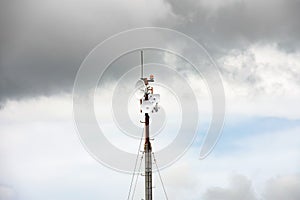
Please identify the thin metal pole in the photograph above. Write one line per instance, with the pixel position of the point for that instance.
(142, 64)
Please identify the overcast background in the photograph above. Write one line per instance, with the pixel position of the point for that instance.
(256, 46)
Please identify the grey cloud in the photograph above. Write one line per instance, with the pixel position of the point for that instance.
(225, 25)
(43, 43)
(278, 188)
(283, 187)
(240, 188)
(261, 70)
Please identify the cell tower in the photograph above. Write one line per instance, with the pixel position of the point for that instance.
(149, 104)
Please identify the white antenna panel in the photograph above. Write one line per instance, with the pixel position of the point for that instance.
(154, 98)
(147, 106)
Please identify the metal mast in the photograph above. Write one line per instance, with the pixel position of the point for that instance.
(148, 159)
(149, 104)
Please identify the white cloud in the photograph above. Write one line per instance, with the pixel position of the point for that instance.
(240, 188)
(33, 127)
(260, 157)
(262, 70)
(276, 188)
(38, 148)
(262, 80)
(7, 193)
(283, 187)
(42, 108)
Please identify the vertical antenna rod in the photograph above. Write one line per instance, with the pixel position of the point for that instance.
(142, 64)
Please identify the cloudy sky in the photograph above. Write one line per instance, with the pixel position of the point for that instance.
(254, 43)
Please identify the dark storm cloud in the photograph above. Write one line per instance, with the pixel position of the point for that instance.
(39, 53)
(42, 43)
(224, 25)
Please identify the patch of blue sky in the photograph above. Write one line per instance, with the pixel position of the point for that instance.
(245, 128)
